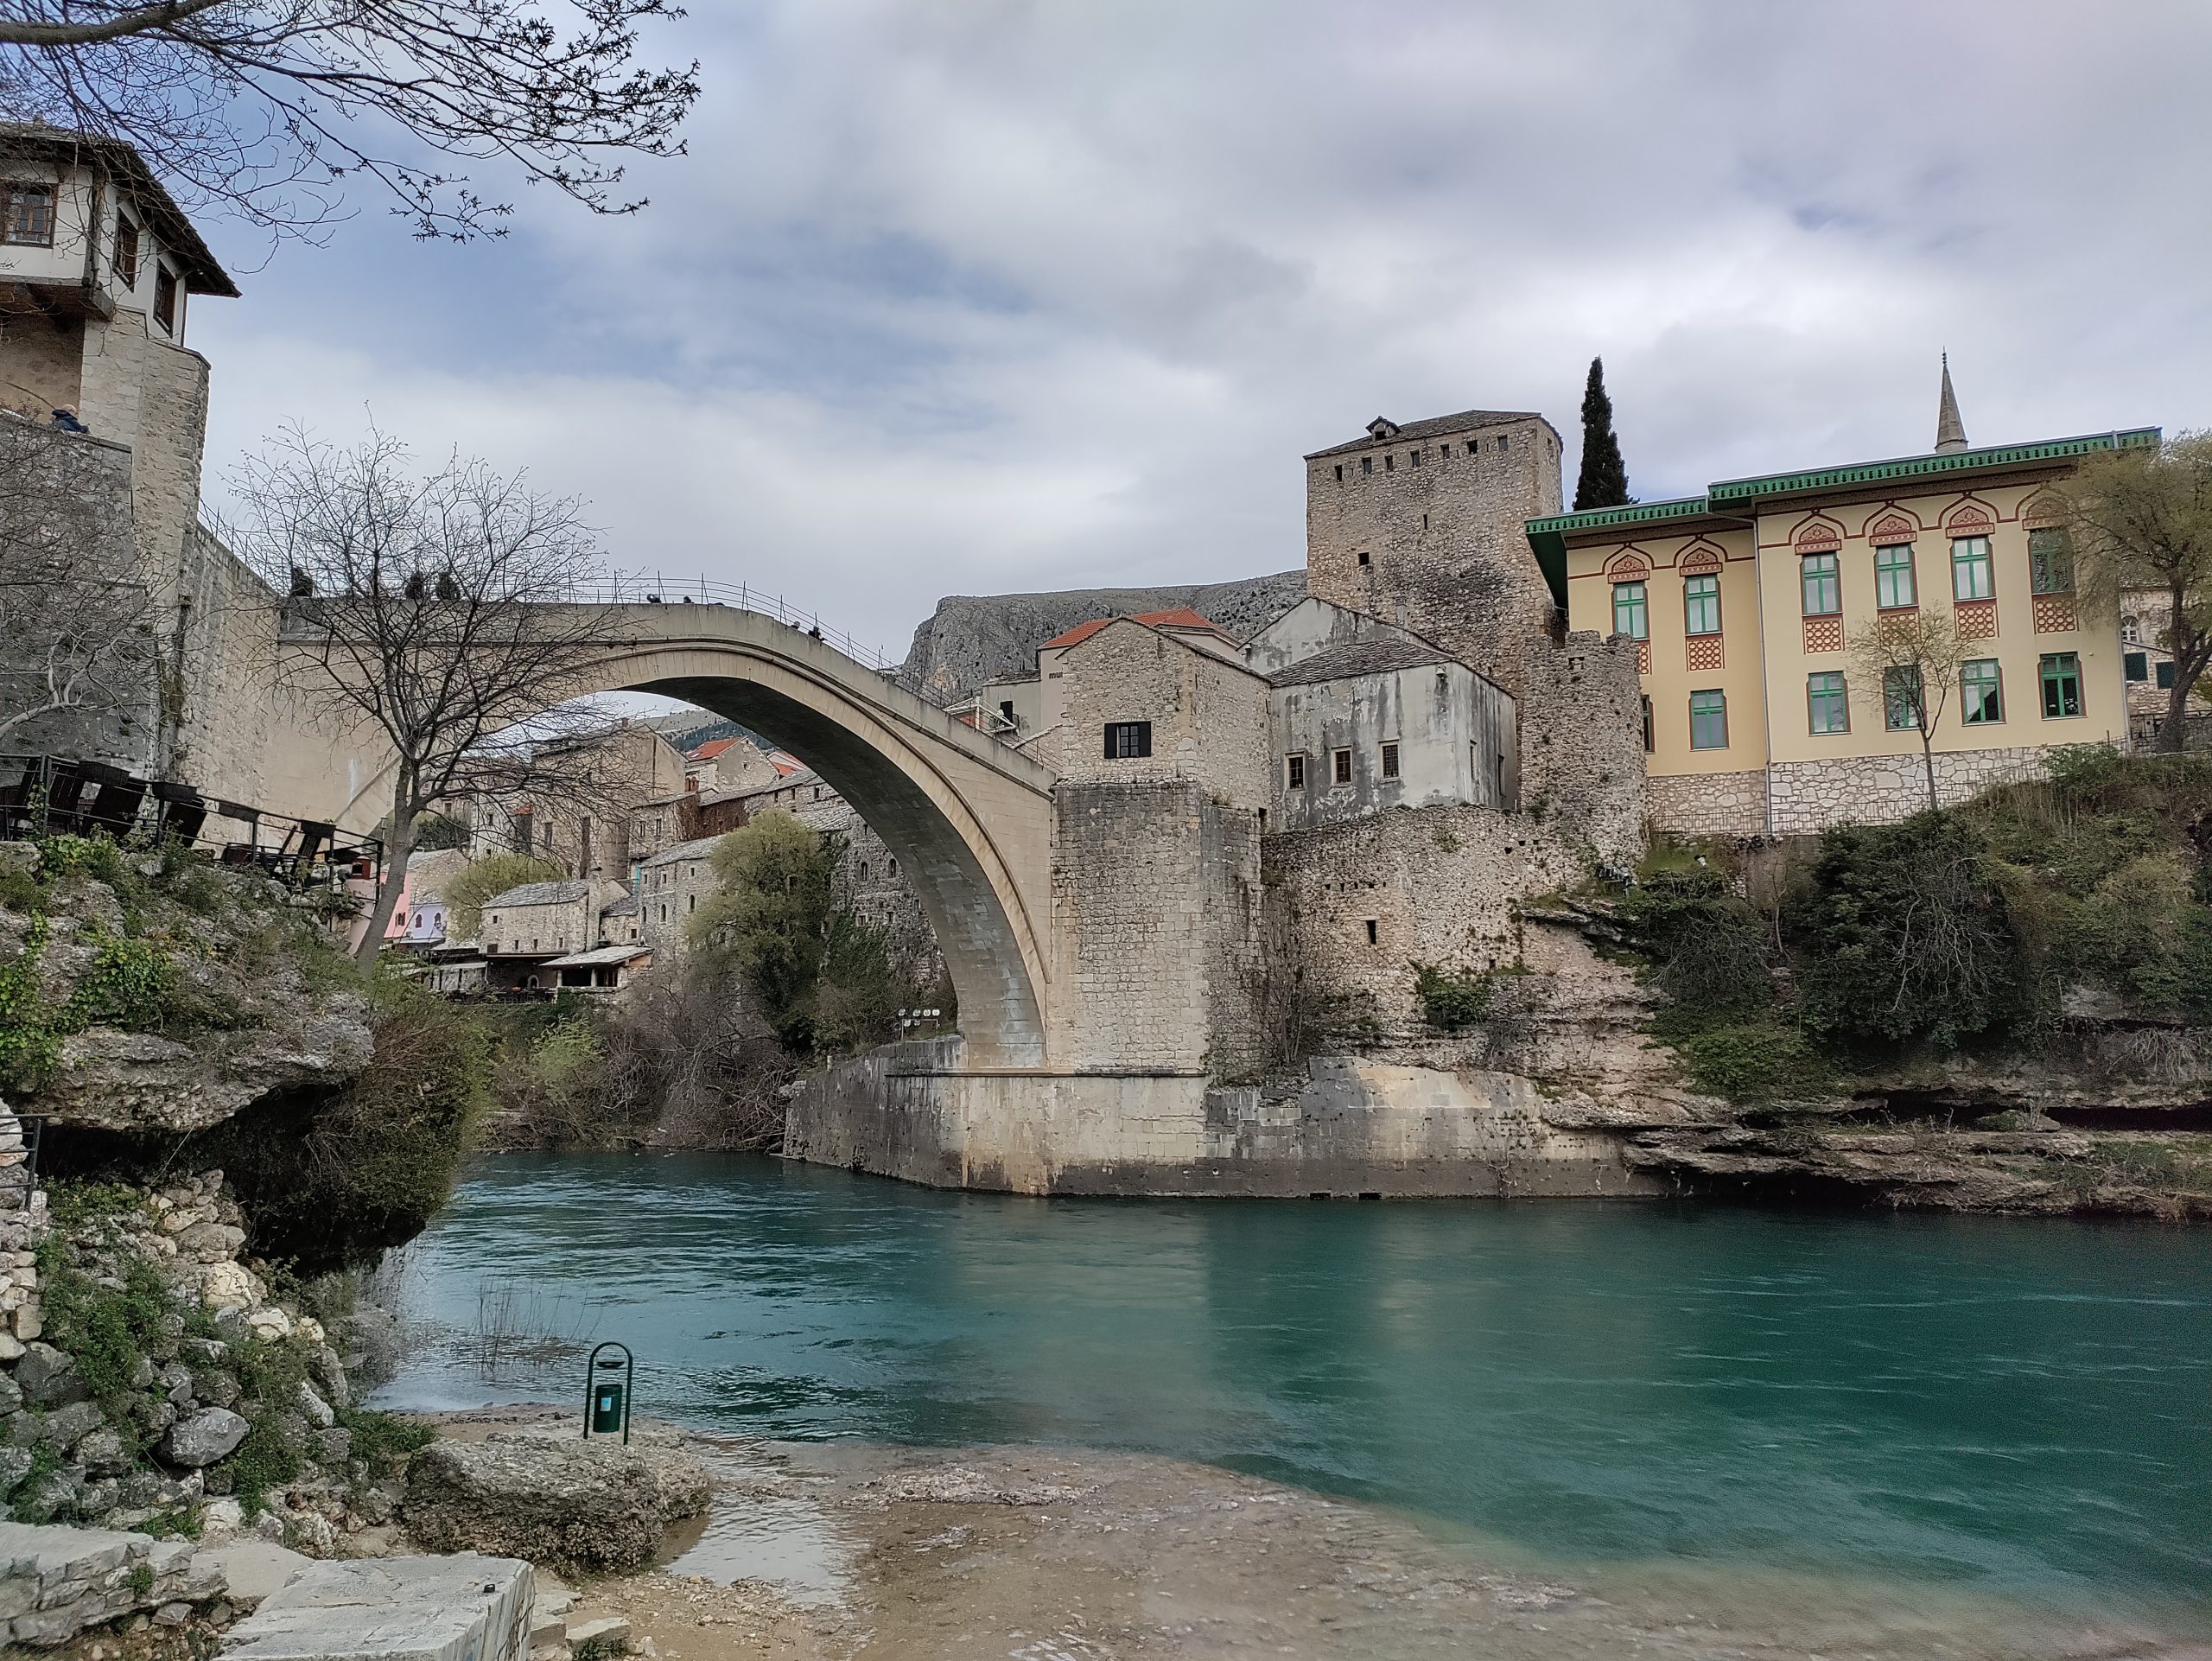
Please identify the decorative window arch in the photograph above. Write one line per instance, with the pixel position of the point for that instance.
(2042, 511)
(1969, 519)
(1627, 568)
(1818, 536)
(1891, 528)
(1700, 560)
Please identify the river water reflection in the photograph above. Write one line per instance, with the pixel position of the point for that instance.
(2021, 1406)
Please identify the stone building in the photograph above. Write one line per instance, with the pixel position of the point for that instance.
(668, 890)
(526, 928)
(1748, 608)
(99, 271)
(583, 827)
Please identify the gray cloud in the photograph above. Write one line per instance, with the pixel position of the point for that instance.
(954, 295)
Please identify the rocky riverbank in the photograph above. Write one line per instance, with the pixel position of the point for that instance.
(831, 1552)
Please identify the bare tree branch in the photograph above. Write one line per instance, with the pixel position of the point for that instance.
(268, 107)
(1913, 660)
(421, 609)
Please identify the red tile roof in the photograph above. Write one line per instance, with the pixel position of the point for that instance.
(711, 748)
(1181, 617)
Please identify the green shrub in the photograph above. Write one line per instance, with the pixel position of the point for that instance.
(1452, 1000)
(1705, 943)
(384, 1441)
(330, 1180)
(1904, 934)
(1757, 1060)
(29, 1047)
(126, 986)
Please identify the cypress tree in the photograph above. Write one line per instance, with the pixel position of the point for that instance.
(1603, 480)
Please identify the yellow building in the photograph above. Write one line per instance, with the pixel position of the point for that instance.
(1751, 603)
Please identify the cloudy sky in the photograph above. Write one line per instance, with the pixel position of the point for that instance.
(979, 295)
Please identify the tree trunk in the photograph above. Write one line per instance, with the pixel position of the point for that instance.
(1928, 760)
(2173, 732)
(395, 850)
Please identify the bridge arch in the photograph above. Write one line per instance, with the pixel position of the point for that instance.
(969, 818)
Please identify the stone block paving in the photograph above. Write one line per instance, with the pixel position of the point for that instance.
(56, 1582)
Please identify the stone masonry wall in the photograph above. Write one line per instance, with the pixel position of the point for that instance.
(1209, 718)
(1708, 803)
(1440, 885)
(1441, 529)
(1154, 928)
(1582, 744)
(1882, 789)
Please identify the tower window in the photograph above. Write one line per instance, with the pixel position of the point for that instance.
(1647, 727)
(1128, 741)
(1364, 557)
(1340, 472)
(1373, 934)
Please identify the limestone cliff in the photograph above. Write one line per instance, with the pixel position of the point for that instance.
(971, 638)
(145, 995)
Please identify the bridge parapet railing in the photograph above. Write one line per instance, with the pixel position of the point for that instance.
(657, 588)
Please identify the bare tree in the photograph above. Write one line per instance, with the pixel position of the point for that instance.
(2141, 518)
(425, 611)
(76, 631)
(270, 106)
(1913, 658)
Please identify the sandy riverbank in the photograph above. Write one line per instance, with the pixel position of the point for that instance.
(825, 1552)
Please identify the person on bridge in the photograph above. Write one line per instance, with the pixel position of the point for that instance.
(65, 419)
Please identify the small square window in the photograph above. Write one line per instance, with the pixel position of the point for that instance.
(1827, 703)
(1340, 766)
(126, 253)
(1390, 464)
(1821, 588)
(1981, 692)
(2165, 682)
(1504, 444)
(2137, 665)
(1471, 447)
(1389, 761)
(1971, 577)
(1631, 615)
(1128, 741)
(1901, 697)
(1367, 464)
(2060, 674)
(30, 215)
(1340, 472)
(1294, 772)
(1413, 460)
(1701, 605)
(2050, 560)
(1365, 558)
(1709, 721)
(1894, 589)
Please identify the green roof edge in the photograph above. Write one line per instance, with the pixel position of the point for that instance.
(1916, 467)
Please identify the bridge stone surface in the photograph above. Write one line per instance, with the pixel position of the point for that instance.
(969, 818)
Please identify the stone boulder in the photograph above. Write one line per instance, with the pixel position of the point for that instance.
(203, 1438)
(592, 1506)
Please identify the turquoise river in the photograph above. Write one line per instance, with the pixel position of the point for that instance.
(2020, 1406)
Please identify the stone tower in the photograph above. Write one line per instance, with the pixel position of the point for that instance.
(1422, 525)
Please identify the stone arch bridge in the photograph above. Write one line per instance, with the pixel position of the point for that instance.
(970, 818)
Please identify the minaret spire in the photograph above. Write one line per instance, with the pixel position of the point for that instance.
(1950, 431)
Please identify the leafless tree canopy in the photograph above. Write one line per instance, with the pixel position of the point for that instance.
(270, 107)
(1912, 660)
(420, 613)
(76, 630)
